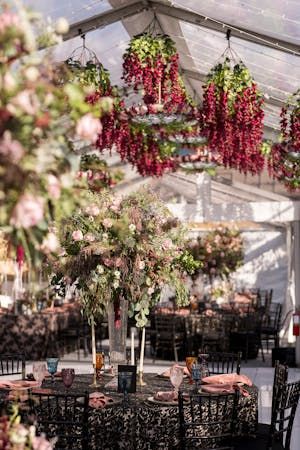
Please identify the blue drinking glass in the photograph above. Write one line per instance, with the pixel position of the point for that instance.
(52, 367)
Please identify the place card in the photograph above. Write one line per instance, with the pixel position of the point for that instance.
(127, 379)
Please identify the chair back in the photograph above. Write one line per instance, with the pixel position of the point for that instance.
(64, 416)
(208, 420)
(280, 378)
(12, 364)
(283, 414)
(273, 318)
(165, 326)
(219, 362)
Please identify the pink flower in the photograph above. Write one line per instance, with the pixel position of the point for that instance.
(27, 101)
(8, 20)
(89, 237)
(11, 148)
(28, 212)
(77, 235)
(167, 244)
(92, 210)
(50, 243)
(88, 127)
(107, 223)
(41, 443)
(54, 186)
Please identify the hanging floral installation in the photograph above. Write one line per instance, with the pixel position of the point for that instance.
(128, 247)
(284, 159)
(38, 118)
(232, 116)
(97, 174)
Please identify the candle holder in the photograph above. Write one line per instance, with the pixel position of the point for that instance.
(140, 380)
(95, 383)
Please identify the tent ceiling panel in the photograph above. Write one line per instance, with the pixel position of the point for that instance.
(279, 19)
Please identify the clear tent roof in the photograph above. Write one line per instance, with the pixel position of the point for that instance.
(266, 36)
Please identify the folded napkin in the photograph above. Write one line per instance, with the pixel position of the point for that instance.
(98, 400)
(165, 396)
(224, 389)
(166, 373)
(17, 384)
(227, 378)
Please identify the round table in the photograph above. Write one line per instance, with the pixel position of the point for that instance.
(140, 424)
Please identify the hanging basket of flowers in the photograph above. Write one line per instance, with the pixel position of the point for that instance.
(232, 115)
(284, 161)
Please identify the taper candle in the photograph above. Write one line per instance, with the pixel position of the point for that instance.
(93, 342)
(132, 346)
(142, 350)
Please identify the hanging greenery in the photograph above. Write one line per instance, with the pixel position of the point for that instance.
(232, 117)
(284, 160)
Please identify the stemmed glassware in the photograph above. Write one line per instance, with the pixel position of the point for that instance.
(176, 377)
(189, 361)
(203, 365)
(52, 367)
(68, 376)
(39, 372)
(196, 374)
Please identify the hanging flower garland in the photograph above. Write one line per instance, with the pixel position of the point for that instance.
(284, 161)
(151, 63)
(232, 117)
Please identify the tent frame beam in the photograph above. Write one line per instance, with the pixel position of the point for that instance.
(112, 16)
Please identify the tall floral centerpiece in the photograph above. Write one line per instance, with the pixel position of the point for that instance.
(232, 116)
(39, 116)
(121, 252)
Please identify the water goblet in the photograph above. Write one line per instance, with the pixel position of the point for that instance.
(189, 361)
(52, 367)
(68, 376)
(39, 372)
(176, 377)
(204, 366)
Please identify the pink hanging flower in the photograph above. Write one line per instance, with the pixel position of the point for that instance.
(77, 235)
(88, 127)
(10, 148)
(8, 20)
(28, 212)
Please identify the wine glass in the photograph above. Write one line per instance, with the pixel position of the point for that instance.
(203, 365)
(189, 361)
(99, 363)
(196, 374)
(39, 372)
(68, 376)
(176, 377)
(52, 367)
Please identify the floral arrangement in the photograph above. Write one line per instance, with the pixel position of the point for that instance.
(151, 63)
(220, 251)
(97, 174)
(126, 247)
(38, 117)
(284, 160)
(17, 436)
(232, 117)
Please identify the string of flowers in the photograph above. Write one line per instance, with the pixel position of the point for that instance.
(284, 160)
(131, 248)
(232, 117)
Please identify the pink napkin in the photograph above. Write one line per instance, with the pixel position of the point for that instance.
(217, 388)
(98, 400)
(166, 396)
(166, 373)
(227, 378)
(17, 384)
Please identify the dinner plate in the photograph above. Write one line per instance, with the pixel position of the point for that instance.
(162, 403)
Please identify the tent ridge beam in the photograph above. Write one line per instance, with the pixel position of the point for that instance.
(242, 33)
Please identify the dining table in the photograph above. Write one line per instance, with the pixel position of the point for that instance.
(138, 421)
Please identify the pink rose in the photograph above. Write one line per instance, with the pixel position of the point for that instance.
(167, 244)
(41, 443)
(89, 237)
(88, 127)
(54, 186)
(50, 243)
(8, 20)
(11, 148)
(107, 223)
(28, 212)
(27, 101)
(77, 235)
(92, 210)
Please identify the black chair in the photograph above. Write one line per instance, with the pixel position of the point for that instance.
(219, 362)
(168, 334)
(64, 416)
(208, 420)
(271, 325)
(12, 365)
(77, 336)
(246, 338)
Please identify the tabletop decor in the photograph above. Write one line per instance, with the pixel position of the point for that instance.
(122, 252)
(15, 435)
(233, 115)
(38, 116)
(284, 159)
(219, 250)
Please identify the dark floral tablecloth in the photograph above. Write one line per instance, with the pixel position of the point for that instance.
(35, 335)
(141, 424)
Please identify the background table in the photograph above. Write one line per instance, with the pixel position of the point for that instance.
(143, 425)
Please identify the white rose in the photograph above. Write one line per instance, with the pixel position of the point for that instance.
(31, 73)
(100, 269)
(116, 284)
(61, 26)
(117, 274)
(142, 265)
(132, 228)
